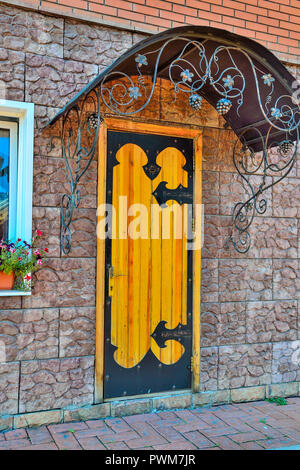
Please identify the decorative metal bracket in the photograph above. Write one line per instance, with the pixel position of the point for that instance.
(259, 171)
(80, 129)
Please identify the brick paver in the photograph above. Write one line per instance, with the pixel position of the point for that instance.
(246, 426)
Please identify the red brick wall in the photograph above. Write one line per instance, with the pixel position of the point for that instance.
(274, 24)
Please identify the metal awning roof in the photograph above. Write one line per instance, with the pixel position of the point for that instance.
(261, 82)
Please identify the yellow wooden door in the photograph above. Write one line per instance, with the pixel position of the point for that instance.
(149, 268)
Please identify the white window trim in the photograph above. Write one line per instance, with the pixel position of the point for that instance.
(13, 174)
(25, 114)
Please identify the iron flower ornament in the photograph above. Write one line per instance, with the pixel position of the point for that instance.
(228, 82)
(134, 92)
(268, 79)
(186, 75)
(141, 60)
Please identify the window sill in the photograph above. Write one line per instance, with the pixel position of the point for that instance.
(11, 293)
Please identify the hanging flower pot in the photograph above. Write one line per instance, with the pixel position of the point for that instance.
(6, 280)
(21, 259)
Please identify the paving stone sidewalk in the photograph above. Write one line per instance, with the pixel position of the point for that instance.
(251, 426)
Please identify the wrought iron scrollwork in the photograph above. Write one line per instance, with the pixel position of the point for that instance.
(79, 142)
(127, 95)
(268, 167)
(221, 68)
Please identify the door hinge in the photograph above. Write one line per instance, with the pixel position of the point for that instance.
(192, 364)
(110, 280)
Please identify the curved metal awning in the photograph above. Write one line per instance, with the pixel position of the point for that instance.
(215, 64)
(243, 80)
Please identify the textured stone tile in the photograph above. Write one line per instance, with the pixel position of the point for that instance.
(94, 44)
(272, 321)
(47, 219)
(29, 334)
(209, 369)
(210, 313)
(167, 403)
(216, 232)
(286, 361)
(72, 280)
(31, 32)
(286, 198)
(209, 280)
(50, 183)
(218, 147)
(242, 279)
(286, 279)
(210, 192)
(244, 365)
(10, 302)
(274, 238)
(56, 383)
(231, 327)
(130, 407)
(247, 394)
(9, 387)
(12, 70)
(38, 419)
(77, 331)
(51, 81)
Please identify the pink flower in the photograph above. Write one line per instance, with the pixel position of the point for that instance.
(36, 252)
(27, 277)
(12, 250)
(19, 259)
(39, 233)
(39, 261)
(46, 250)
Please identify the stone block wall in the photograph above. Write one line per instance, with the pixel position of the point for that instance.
(250, 303)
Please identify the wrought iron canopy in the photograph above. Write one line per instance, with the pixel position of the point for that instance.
(212, 54)
(244, 81)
